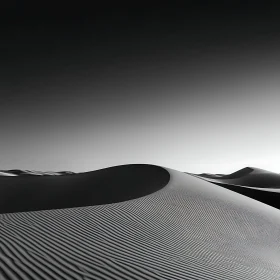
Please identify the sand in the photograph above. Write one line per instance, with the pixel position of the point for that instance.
(248, 176)
(185, 228)
(256, 183)
(108, 185)
(19, 172)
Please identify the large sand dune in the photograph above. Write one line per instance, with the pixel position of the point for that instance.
(179, 227)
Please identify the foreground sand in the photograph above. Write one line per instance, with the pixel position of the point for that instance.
(186, 228)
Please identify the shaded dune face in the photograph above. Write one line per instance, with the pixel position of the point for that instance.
(32, 193)
(188, 229)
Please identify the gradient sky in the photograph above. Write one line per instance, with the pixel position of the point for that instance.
(193, 88)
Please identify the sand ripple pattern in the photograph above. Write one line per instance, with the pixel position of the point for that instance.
(179, 232)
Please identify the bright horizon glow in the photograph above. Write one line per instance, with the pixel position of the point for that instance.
(192, 95)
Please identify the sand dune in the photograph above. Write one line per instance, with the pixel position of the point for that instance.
(248, 176)
(180, 227)
(31, 193)
(19, 172)
(2, 173)
(256, 183)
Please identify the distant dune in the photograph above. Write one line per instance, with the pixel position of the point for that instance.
(248, 176)
(134, 222)
(3, 173)
(18, 172)
(254, 182)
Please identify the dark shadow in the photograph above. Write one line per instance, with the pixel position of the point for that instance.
(109, 185)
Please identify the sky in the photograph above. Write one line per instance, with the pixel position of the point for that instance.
(195, 88)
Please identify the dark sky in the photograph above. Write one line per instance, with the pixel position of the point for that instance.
(192, 87)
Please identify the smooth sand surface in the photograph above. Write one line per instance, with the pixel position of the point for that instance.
(185, 229)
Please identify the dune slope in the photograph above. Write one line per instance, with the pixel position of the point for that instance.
(266, 195)
(188, 229)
